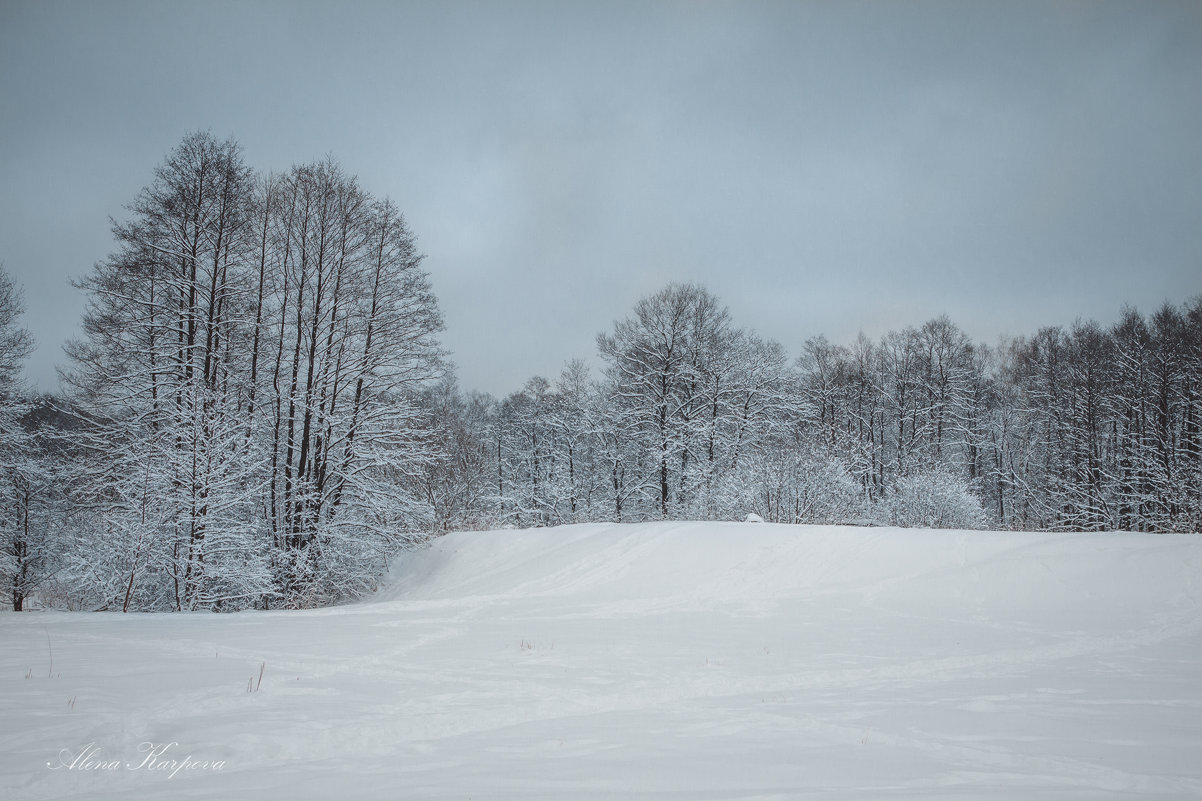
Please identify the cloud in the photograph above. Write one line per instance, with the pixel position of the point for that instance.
(822, 167)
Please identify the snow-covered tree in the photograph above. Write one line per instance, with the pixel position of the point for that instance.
(933, 499)
(687, 395)
(456, 485)
(159, 376)
(247, 377)
(654, 362)
(24, 558)
(353, 322)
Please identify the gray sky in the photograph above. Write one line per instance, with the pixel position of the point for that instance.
(822, 167)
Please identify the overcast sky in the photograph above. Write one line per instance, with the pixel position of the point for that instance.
(823, 167)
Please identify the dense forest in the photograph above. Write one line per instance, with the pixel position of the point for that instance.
(258, 413)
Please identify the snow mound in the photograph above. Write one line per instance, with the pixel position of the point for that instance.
(1066, 575)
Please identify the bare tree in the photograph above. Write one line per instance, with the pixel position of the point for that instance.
(23, 549)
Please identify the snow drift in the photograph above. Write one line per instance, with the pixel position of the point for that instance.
(653, 661)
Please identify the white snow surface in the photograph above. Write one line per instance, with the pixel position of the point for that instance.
(667, 661)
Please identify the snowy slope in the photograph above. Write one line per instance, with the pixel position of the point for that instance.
(660, 661)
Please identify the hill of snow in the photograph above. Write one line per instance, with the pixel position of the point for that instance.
(655, 661)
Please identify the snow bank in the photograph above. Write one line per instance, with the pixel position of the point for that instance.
(674, 660)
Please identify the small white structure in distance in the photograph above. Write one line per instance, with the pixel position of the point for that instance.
(753, 518)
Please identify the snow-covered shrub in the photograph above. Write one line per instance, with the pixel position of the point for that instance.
(787, 483)
(933, 499)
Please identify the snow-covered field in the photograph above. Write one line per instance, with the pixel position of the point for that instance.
(661, 661)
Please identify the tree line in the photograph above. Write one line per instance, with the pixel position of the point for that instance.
(1081, 428)
(258, 413)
